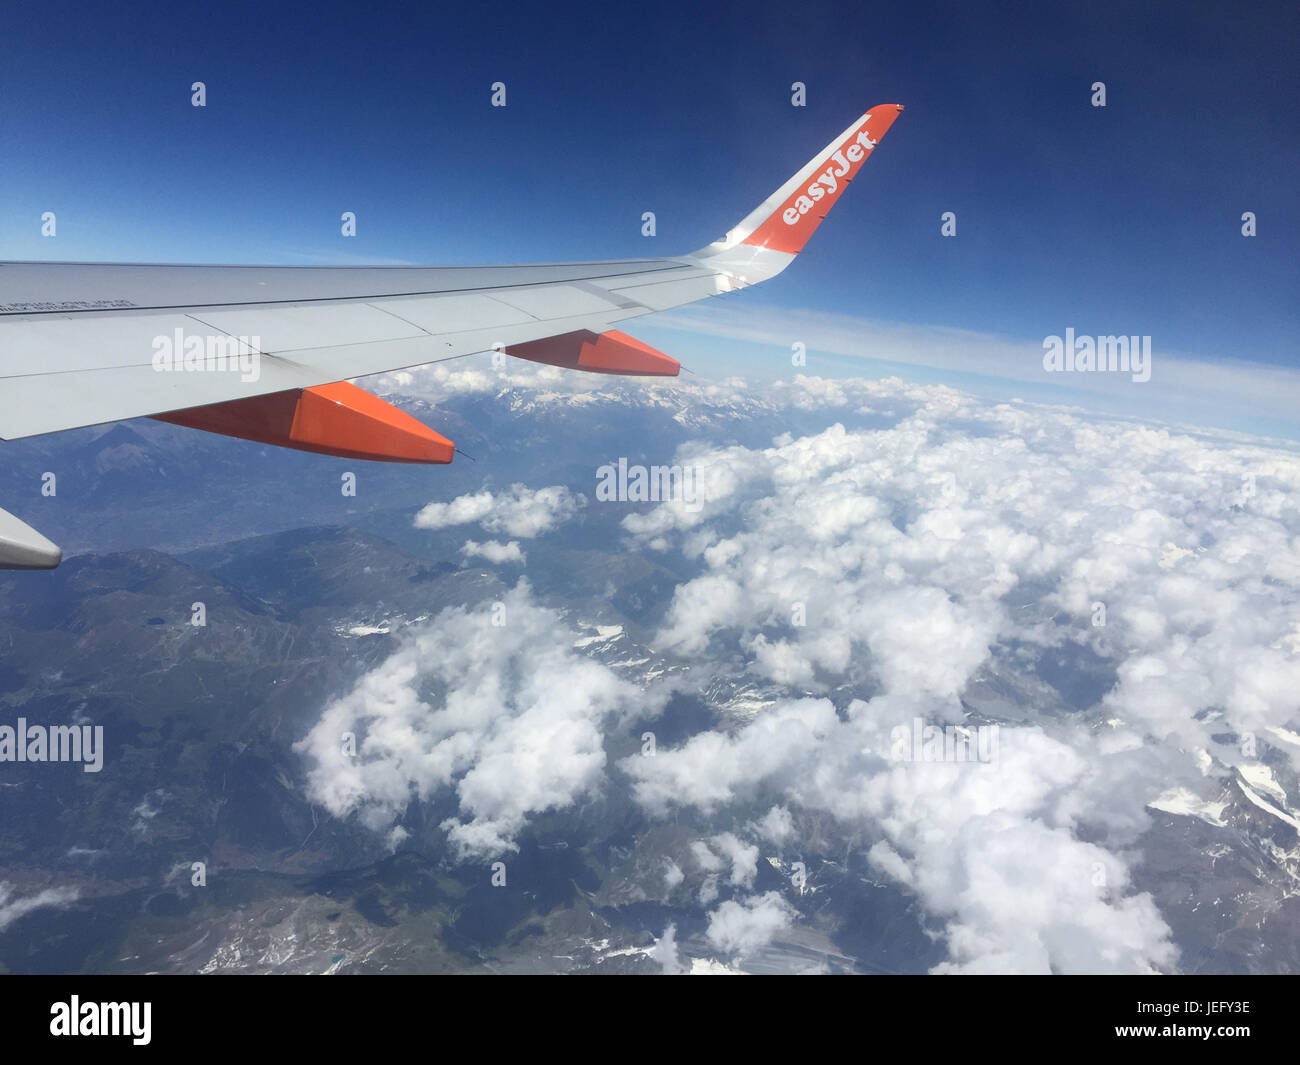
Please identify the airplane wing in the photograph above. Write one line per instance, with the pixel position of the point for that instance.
(264, 352)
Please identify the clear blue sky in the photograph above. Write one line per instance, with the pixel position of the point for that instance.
(1122, 219)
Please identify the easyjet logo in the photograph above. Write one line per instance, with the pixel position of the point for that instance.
(836, 176)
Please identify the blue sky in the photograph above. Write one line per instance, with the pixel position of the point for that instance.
(1117, 220)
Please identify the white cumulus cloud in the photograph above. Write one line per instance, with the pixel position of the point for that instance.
(493, 551)
(745, 926)
(520, 511)
(516, 726)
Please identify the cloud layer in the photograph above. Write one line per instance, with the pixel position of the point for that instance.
(911, 561)
(1122, 602)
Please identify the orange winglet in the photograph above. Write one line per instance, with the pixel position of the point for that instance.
(338, 419)
(611, 352)
(788, 228)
